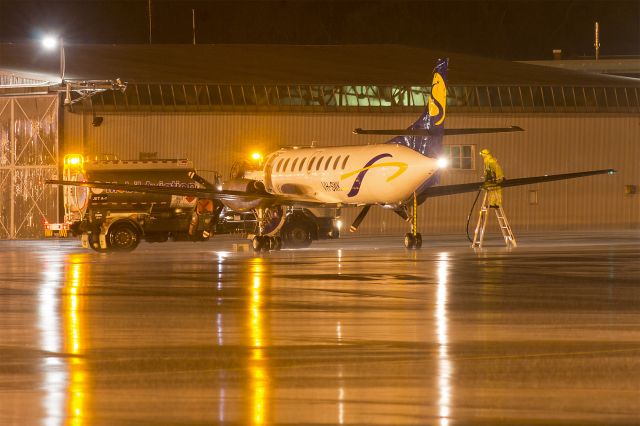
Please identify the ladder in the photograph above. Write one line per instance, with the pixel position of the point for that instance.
(503, 223)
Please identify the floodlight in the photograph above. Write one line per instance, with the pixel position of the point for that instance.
(256, 156)
(443, 163)
(49, 42)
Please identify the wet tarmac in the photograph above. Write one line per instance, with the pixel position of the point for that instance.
(355, 331)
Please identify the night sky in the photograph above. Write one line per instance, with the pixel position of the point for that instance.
(516, 30)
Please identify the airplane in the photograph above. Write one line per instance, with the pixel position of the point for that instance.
(399, 174)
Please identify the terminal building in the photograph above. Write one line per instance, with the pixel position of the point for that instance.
(216, 104)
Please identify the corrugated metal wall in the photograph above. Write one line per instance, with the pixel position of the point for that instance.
(552, 143)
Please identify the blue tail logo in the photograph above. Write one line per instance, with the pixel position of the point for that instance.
(432, 118)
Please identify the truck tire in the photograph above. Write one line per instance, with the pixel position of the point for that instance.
(123, 236)
(296, 234)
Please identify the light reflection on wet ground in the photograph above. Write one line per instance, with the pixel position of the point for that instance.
(358, 331)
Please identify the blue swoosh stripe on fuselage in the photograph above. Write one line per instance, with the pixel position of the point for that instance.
(356, 184)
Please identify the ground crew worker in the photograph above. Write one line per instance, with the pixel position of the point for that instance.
(492, 174)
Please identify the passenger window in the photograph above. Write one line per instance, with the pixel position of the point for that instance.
(279, 164)
(344, 163)
(302, 164)
(293, 166)
(326, 166)
(311, 163)
(286, 163)
(335, 163)
(319, 163)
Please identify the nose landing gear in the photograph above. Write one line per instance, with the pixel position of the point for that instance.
(263, 242)
(266, 243)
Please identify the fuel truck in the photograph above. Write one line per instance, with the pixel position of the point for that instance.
(109, 220)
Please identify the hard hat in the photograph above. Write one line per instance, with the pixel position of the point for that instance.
(485, 151)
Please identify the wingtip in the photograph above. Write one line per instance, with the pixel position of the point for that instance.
(357, 131)
(517, 129)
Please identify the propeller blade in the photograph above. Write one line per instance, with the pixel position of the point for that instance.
(402, 213)
(356, 223)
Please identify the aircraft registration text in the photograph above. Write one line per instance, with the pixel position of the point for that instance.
(331, 186)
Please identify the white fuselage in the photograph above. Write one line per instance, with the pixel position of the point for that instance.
(371, 174)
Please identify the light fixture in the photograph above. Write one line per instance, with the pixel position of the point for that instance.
(443, 163)
(49, 42)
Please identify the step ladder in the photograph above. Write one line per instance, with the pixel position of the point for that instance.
(503, 223)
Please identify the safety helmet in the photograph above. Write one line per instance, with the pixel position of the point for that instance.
(485, 151)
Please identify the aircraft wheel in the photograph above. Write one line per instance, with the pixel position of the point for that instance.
(418, 242)
(257, 243)
(277, 243)
(267, 243)
(94, 243)
(409, 240)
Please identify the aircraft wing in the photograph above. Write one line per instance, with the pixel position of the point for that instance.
(447, 132)
(438, 191)
(187, 192)
(222, 195)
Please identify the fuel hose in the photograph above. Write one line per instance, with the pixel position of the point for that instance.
(470, 213)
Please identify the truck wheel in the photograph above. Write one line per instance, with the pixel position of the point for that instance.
(123, 236)
(297, 235)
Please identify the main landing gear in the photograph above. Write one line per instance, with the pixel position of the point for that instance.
(266, 243)
(263, 242)
(413, 239)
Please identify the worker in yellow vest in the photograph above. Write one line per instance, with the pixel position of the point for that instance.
(492, 174)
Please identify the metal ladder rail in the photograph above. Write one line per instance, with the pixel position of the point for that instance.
(503, 223)
(478, 235)
(505, 228)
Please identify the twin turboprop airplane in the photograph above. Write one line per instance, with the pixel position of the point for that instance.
(399, 174)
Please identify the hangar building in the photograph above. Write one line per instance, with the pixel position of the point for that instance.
(214, 104)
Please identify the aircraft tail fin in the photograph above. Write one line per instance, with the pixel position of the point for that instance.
(432, 119)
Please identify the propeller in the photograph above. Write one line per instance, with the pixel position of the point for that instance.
(356, 223)
(402, 212)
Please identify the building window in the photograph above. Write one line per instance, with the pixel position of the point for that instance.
(461, 157)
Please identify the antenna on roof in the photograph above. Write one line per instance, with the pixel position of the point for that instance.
(596, 43)
(193, 24)
(149, 21)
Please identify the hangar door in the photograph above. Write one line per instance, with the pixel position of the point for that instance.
(28, 156)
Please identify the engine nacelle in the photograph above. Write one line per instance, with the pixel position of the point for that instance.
(249, 186)
(244, 185)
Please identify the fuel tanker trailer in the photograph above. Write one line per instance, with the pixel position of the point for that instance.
(110, 220)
